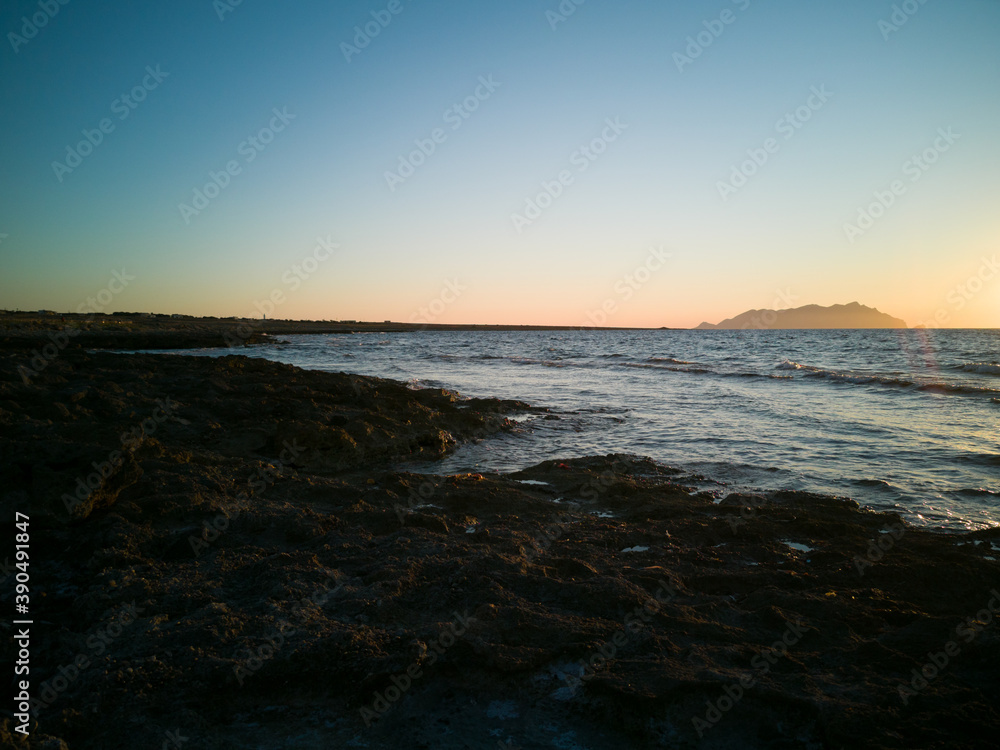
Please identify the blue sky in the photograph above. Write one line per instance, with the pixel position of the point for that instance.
(446, 239)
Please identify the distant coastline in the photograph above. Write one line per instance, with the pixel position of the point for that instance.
(20, 330)
(154, 331)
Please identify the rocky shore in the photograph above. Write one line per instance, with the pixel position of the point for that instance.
(223, 555)
(35, 332)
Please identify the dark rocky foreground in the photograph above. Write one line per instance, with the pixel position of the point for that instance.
(223, 557)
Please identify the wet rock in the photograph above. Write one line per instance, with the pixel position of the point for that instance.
(256, 574)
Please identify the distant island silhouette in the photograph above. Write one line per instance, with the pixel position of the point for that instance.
(853, 315)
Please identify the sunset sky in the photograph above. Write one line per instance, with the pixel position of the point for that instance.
(408, 174)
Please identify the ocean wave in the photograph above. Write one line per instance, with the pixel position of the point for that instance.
(706, 371)
(976, 492)
(789, 370)
(694, 370)
(934, 387)
(987, 459)
(981, 368)
(964, 390)
(880, 483)
(846, 377)
(890, 381)
(669, 360)
(790, 365)
(553, 362)
(542, 362)
(768, 376)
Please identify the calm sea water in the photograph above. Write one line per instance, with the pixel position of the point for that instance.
(898, 419)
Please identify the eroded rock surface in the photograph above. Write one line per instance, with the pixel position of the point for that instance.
(254, 573)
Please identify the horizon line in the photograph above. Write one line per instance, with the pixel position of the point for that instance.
(375, 326)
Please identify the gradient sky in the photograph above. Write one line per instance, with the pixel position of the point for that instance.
(777, 241)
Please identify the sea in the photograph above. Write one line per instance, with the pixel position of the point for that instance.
(904, 420)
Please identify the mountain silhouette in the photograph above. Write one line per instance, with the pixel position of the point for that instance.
(853, 315)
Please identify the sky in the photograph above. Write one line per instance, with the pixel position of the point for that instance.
(585, 162)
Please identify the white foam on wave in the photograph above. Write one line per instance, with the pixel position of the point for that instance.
(789, 364)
